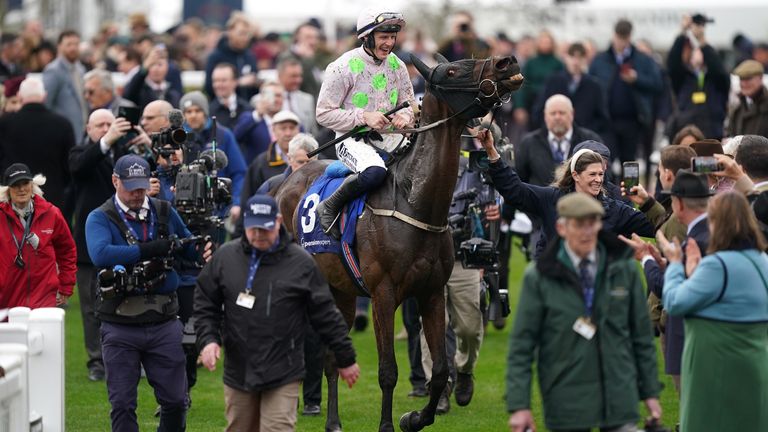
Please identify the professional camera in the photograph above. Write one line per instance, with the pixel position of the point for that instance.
(175, 135)
(141, 279)
(200, 191)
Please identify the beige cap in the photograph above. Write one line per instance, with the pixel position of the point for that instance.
(284, 116)
(748, 69)
(579, 205)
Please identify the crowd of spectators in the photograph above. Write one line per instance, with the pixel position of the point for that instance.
(583, 108)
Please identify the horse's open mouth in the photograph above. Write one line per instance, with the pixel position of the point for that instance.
(514, 82)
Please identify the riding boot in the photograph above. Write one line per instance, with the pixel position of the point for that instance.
(328, 210)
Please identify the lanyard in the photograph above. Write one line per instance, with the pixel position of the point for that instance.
(255, 261)
(27, 228)
(151, 232)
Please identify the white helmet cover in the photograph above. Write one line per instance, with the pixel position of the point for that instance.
(371, 19)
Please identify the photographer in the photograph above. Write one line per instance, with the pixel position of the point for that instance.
(91, 164)
(472, 210)
(699, 80)
(131, 238)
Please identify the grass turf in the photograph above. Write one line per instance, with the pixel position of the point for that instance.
(87, 407)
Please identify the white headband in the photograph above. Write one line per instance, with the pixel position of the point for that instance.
(576, 157)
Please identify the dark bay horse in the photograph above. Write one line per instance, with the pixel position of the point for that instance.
(410, 258)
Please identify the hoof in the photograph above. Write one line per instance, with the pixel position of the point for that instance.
(334, 429)
(409, 422)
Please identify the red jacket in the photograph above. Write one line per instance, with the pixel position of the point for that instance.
(38, 282)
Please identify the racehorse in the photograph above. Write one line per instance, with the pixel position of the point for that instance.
(402, 240)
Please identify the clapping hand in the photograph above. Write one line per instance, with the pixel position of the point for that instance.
(671, 249)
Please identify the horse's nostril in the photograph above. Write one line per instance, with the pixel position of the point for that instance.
(503, 64)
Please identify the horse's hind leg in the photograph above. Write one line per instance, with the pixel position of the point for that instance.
(384, 305)
(346, 304)
(432, 310)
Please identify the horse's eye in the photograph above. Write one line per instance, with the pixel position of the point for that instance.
(451, 72)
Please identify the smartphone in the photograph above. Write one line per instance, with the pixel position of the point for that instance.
(132, 114)
(705, 164)
(631, 176)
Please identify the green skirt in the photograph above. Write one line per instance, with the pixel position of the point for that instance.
(724, 377)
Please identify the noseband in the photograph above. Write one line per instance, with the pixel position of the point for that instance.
(485, 89)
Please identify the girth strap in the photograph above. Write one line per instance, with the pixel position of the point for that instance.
(407, 219)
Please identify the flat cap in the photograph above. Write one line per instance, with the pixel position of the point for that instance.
(748, 69)
(579, 205)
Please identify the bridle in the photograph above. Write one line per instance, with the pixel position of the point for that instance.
(485, 89)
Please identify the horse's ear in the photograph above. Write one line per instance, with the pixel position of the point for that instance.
(423, 69)
(440, 59)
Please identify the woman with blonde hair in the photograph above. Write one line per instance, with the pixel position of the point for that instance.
(725, 304)
(38, 259)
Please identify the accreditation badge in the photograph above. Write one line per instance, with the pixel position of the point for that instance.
(584, 327)
(698, 97)
(246, 300)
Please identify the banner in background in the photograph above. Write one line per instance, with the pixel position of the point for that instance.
(211, 11)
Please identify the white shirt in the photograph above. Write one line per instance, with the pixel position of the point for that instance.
(576, 260)
(143, 212)
(565, 142)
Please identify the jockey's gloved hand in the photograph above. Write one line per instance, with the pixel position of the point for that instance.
(369, 136)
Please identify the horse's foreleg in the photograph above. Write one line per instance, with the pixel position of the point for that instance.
(346, 304)
(384, 325)
(432, 310)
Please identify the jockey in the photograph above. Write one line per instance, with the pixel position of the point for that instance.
(358, 88)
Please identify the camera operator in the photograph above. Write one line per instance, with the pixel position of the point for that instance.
(473, 207)
(197, 119)
(91, 164)
(133, 239)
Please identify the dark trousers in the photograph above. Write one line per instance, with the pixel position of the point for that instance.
(314, 362)
(186, 296)
(410, 310)
(624, 138)
(158, 348)
(86, 291)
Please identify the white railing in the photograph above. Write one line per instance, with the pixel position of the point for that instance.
(41, 332)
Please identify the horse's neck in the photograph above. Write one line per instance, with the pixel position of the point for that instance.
(432, 168)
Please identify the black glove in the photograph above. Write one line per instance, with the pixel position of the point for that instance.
(154, 248)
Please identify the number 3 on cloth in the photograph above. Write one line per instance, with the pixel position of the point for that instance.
(308, 221)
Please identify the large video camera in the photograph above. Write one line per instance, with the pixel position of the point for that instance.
(476, 243)
(200, 191)
(145, 276)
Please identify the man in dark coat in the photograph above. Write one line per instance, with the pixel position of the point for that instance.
(256, 297)
(583, 90)
(630, 80)
(233, 48)
(226, 105)
(543, 150)
(699, 81)
(40, 139)
(151, 83)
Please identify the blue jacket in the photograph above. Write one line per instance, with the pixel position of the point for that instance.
(225, 142)
(648, 84)
(253, 136)
(541, 201)
(244, 62)
(726, 286)
(107, 246)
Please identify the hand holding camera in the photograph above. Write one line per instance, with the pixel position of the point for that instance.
(154, 248)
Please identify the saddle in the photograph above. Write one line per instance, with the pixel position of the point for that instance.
(309, 232)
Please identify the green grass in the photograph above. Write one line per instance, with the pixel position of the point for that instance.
(87, 407)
